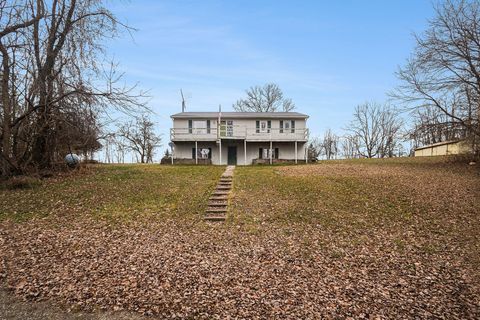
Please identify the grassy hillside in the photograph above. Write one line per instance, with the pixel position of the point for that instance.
(115, 192)
(363, 238)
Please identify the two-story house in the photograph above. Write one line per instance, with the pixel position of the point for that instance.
(239, 138)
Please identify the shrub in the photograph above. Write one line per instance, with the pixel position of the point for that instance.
(20, 182)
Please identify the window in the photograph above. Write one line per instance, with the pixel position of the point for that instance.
(203, 153)
(263, 126)
(190, 126)
(208, 126)
(200, 126)
(229, 128)
(265, 153)
(257, 127)
(287, 126)
(226, 128)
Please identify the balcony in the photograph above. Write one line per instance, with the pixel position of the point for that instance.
(238, 132)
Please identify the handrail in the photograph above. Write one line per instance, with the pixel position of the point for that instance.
(238, 131)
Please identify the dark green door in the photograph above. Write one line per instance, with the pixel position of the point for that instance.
(232, 156)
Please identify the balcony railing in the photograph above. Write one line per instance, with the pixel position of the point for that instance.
(238, 132)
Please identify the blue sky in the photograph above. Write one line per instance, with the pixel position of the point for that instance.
(328, 56)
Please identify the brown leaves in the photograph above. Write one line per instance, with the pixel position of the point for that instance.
(337, 260)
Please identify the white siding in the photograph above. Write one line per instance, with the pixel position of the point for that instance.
(183, 150)
(242, 128)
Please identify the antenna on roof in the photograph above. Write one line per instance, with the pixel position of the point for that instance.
(183, 101)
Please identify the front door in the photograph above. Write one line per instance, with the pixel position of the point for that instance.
(232, 155)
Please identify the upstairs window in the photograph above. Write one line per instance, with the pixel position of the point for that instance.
(200, 126)
(226, 128)
(263, 126)
(287, 126)
(190, 126)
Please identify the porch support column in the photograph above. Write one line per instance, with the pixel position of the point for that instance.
(220, 151)
(245, 151)
(305, 152)
(271, 147)
(296, 152)
(196, 152)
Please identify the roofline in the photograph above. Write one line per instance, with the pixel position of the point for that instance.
(439, 144)
(233, 114)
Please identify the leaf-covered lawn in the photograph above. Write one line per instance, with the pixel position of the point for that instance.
(375, 239)
(116, 192)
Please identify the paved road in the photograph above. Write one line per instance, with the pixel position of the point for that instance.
(13, 308)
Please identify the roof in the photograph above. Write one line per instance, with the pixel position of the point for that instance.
(438, 144)
(240, 115)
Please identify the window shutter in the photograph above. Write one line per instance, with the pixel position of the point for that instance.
(293, 126)
(281, 126)
(257, 126)
(276, 153)
(208, 126)
(260, 153)
(190, 125)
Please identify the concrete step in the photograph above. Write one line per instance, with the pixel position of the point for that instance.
(216, 211)
(216, 204)
(214, 218)
(218, 198)
(220, 193)
(217, 208)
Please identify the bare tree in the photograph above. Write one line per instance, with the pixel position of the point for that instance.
(430, 125)
(444, 71)
(350, 146)
(54, 77)
(329, 144)
(267, 98)
(314, 149)
(141, 138)
(391, 126)
(375, 128)
(15, 19)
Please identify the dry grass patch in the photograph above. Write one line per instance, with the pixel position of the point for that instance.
(115, 192)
